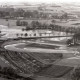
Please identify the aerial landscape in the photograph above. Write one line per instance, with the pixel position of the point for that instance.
(40, 40)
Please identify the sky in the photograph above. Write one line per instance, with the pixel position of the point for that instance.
(42, 1)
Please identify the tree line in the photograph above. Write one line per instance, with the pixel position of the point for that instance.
(38, 25)
(15, 13)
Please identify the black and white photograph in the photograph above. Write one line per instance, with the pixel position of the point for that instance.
(39, 39)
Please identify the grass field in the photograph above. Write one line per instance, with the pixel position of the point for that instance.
(55, 71)
(38, 46)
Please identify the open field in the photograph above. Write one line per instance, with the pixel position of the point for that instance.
(38, 46)
(55, 71)
(42, 57)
